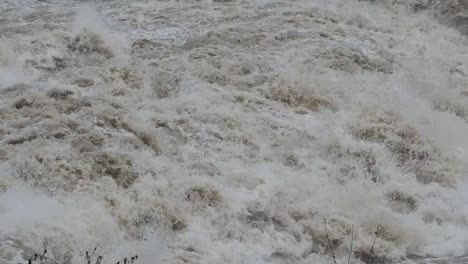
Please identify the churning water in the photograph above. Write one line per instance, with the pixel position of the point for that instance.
(200, 131)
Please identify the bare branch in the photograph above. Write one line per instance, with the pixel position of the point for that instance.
(351, 247)
(369, 257)
(329, 242)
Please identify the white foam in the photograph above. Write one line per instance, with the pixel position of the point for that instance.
(252, 140)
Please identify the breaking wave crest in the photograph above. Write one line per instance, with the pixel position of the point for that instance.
(227, 131)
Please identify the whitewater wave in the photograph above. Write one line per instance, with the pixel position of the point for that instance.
(227, 131)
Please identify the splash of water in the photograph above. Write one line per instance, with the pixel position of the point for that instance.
(227, 131)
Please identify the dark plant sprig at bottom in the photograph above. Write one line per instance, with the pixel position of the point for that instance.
(40, 258)
(43, 259)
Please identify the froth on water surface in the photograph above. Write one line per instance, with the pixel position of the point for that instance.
(227, 131)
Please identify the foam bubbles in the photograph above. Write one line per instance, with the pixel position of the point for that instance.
(226, 132)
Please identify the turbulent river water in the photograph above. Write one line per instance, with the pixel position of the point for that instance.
(229, 131)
